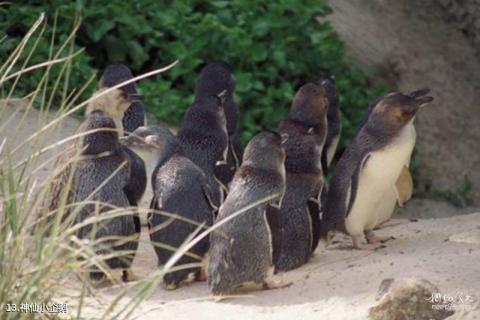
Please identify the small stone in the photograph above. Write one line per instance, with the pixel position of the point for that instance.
(407, 299)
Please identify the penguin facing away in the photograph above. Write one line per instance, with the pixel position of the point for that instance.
(241, 250)
(96, 179)
(214, 78)
(203, 138)
(370, 167)
(295, 225)
(134, 115)
(179, 187)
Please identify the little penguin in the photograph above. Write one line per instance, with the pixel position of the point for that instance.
(101, 175)
(295, 225)
(115, 74)
(203, 137)
(334, 125)
(241, 249)
(179, 187)
(113, 104)
(214, 78)
(371, 166)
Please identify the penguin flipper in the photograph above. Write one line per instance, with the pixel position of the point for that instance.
(236, 149)
(208, 197)
(404, 186)
(137, 181)
(314, 211)
(354, 184)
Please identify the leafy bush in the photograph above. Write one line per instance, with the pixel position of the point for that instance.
(273, 47)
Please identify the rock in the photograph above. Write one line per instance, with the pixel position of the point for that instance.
(422, 208)
(407, 299)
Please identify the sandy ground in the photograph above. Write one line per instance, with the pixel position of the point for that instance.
(339, 283)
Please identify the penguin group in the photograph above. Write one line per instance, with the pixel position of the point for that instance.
(267, 207)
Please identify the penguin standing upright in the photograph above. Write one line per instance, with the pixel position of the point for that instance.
(101, 175)
(334, 125)
(115, 74)
(113, 104)
(295, 226)
(203, 137)
(179, 187)
(241, 249)
(371, 166)
(214, 78)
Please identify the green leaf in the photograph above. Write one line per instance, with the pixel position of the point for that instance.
(259, 53)
(98, 30)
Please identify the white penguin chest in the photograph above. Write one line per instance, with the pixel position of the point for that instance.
(374, 202)
(150, 161)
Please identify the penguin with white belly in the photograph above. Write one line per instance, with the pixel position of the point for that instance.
(373, 166)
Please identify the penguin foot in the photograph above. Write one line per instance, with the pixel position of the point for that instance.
(220, 298)
(372, 238)
(272, 284)
(201, 275)
(357, 244)
(128, 276)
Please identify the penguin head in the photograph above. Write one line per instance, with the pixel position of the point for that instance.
(150, 141)
(206, 114)
(114, 103)
(115, 74)
(214, 78)
(330, 91)
(309, 106)
(393, 111)
(266, 150)
(103, 136)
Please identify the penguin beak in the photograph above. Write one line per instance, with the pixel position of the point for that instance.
(419, 93)
(152, 141)
(222, 96)
(423, 101)
(421, 98)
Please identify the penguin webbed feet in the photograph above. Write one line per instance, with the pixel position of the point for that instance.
(374, 242)
(358, 245)
(372, 238)
(272, 284)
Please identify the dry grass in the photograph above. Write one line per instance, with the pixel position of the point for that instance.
(40, 254)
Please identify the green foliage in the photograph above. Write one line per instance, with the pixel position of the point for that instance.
(273, 46)
(16, 21)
